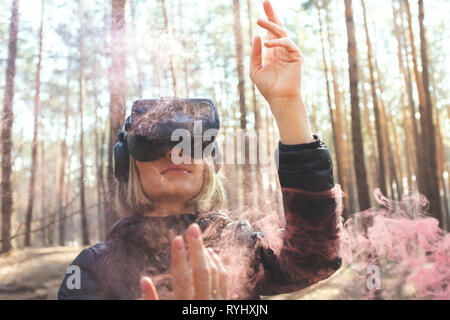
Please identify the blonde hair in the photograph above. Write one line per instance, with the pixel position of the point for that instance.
(132, 200)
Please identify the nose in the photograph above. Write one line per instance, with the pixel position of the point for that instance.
(169, 153)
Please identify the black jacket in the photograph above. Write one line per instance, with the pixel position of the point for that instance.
(308, 253)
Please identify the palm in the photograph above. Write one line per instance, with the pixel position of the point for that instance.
(278, 74)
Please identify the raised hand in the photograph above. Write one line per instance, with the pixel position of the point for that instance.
(278, 77)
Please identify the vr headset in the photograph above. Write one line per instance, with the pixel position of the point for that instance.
(148, 133)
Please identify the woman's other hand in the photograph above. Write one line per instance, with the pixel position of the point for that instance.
(206, 279)
(278, 76)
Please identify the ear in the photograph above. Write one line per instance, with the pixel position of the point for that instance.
(121, 153)
(121, 160)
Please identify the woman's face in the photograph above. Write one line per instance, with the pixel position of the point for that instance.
(161, 178)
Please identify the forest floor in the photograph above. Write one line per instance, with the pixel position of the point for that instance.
(36, 273)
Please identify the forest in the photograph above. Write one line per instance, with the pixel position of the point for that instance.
(375, 81)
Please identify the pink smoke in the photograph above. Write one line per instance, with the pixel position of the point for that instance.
(403, 239)
(398, 236)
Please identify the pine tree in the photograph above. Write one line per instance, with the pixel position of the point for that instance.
(6, 126)
(358, 144)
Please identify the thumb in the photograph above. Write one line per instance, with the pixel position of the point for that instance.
(256, 56)
(148, 290)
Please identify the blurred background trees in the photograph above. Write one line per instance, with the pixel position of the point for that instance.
(375, 80)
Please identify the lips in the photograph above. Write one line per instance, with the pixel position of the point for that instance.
(176, 169)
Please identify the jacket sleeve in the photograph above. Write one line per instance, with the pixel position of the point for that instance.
(310, 238)
(81, 281)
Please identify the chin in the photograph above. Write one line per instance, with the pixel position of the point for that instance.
(181, 189)
(173, 180)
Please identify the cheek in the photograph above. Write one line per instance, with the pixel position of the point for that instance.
(150, 180)
(198, 177)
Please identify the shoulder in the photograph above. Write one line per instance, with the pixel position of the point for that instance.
(88, 257)
(81, 280)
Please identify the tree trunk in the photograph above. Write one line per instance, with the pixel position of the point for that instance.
(43, 193)
(62, 211)
(353, 200)
(327, 82)
(256, 110)
(258, 124)
(98, 166)
(434, 193)
(424, 177)
(101, 180)
(336, 134)
(117, 89)
(358, 145)
(169, 33)
(372, 168)
(342, 167)
(6, 125)
(82, 102)
(185, 60)
(37, 107)
(441, 169)
(398, 162)
(136, 49)
(388, 125)
(240, 64)
(442, 159)
(376, 108)
(245, 168)
(408, 84)
(385, 125)
(406, 147)
(69, 209)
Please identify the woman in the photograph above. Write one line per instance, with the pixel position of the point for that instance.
(139, 251)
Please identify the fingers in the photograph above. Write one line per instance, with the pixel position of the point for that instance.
(286, 43)
(270, 13)
(275, 29)
(181, 277)
(215, 290)
(200, 271)
(223, 276)
(208, 279)
(256, 56)
(148, 290)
